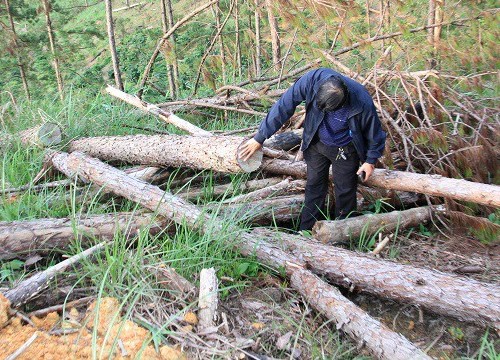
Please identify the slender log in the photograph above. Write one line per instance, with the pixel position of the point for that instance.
(343, 230)
(435, 185)
(169, 279)
(198, 152)
(387, 346)
(285, 186)
(162, 114)
(442, 293)
(27, 237)
(31, 287)
(251, 185)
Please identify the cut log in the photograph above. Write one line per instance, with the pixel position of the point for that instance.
(168, 278)
(208, 299)
(285, 141)
(382, 342)
(434, 185)
(45, 135)
(445, 294)
(20, 239)
(353, 228)
(198, 152)
(31, 287)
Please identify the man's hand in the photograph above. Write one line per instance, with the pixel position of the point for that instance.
(247, 149)
(367, 168)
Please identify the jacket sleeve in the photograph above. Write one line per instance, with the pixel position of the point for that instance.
(373, 134)
(284, 108)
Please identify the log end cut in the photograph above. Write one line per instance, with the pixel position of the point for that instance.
(251, 164)
(50, 134)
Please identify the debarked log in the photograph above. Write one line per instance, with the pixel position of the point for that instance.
(20, 239)
(198, 152)
(446, 294)
(434, 185)
(378, 338)
(353, 228)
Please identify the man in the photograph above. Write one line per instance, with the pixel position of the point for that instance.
(341, 129)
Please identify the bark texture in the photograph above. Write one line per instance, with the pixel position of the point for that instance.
(27, 237)
(285, 141)
(112, 45)
(442, 293)
(198, 152)
(342, 230)
(181, 212)
(208, 298)
(52, 41)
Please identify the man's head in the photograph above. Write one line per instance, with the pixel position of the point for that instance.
(332, 94)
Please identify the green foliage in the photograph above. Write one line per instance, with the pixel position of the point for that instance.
(9, 269)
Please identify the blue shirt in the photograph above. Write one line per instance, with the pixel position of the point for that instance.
(334, 129)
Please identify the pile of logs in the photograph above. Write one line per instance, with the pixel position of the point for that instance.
(277, 197)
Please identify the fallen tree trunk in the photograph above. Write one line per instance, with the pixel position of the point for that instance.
(285, 141)
(34, 285)
(445, 294)
(24, 238)
(198, 152)
(434, 185)
(283, 187)
(353, 228)
(379, 339)
(45, 135)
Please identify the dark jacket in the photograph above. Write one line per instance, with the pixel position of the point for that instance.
(364, 124)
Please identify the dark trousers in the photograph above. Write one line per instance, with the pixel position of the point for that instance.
(319, 157)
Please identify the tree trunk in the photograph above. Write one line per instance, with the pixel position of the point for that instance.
(434, 185)
(208, 299)
(34, 285)
(445, 294)
(27, 237)
(166, 12)
(20, 62)
(162, 114)
(112, 45)
(175, 65)
(45, 135)
(258, 50)
(389, 345)
(50, 32)
(275, 40)
(343, 230)
(198, 152)
(283, 187)
(218, 27)
(237, 37)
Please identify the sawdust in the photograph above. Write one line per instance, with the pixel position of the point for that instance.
(99, 333)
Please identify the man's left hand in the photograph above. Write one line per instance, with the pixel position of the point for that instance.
(367, 168)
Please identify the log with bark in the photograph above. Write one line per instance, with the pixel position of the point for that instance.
(34, 285)
(45, 135)
(379, 339)
(446, 294)
(285, 141)
(353, 228)
(21, 239)
(287, 186)
(434, 185)
(198, 152)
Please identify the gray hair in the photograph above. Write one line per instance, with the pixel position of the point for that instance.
(331, 95)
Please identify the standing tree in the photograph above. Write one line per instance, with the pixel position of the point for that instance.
(16, 50)
(112, 45)
(257, 38)
(275, 39)
(217, 12)
(171, 59)
(52, 41)
(237, 37)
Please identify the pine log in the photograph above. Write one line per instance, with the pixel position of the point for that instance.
(285, 141)
(380, 340)
(31, 287)
(251, 185)
(20, 239)
(198, 152)
(45, 135)
(434, 185)
(283, 187)
(353, 228)
(446, 294)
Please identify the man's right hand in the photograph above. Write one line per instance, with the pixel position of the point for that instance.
(247, 149)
